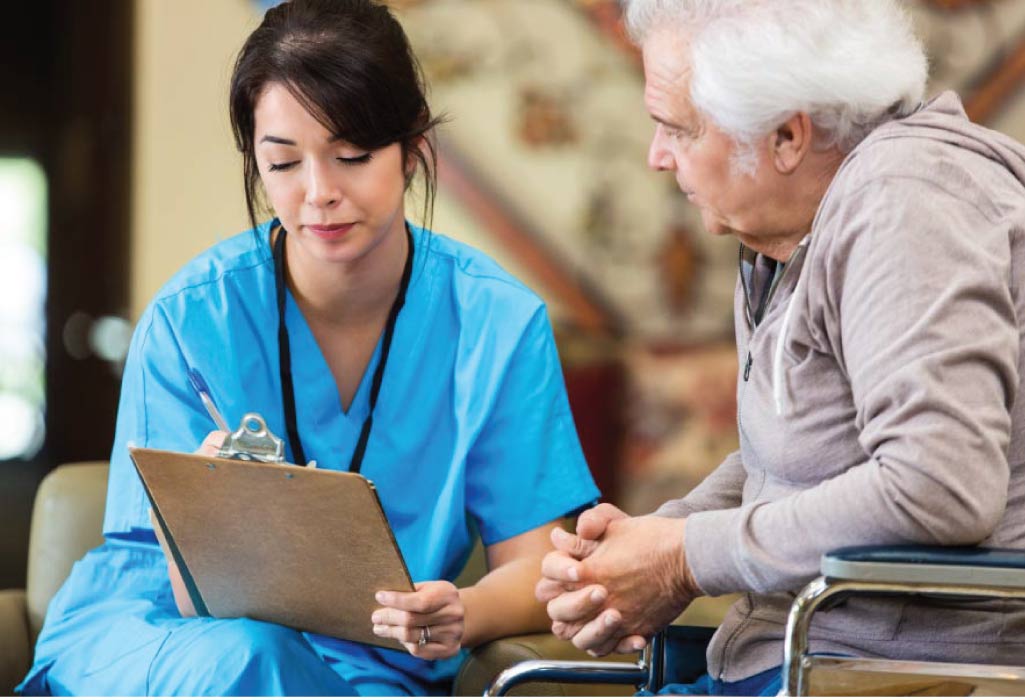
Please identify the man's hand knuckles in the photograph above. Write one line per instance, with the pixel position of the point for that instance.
(566, 631)
(563, 610)
(555, 566)
(610, 511)
(548, 589)
(584, 548)
(617, 526)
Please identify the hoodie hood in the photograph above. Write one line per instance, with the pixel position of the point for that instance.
(944, 119)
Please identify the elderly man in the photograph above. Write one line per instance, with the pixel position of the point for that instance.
(879, 322)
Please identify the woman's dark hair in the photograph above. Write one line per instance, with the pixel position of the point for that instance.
(348, 62)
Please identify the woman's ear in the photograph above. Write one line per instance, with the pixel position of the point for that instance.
(412, 153)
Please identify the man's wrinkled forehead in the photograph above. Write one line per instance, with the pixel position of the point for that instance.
(667, 76)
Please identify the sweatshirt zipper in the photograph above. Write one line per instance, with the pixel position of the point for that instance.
(790, 264)
(777, 279)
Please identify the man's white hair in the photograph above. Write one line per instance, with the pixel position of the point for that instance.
(851, 65)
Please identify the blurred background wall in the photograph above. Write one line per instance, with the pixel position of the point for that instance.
(119, 108)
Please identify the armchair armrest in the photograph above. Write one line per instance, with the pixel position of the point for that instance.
(15, 644)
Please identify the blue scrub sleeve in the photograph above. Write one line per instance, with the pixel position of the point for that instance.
(526, 467)
(158, 409)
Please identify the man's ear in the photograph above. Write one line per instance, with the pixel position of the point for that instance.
(791, 142)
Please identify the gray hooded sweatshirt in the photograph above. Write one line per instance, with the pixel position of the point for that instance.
(876, 400)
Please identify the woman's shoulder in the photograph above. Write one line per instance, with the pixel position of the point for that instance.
(238, 259)
(470, 271)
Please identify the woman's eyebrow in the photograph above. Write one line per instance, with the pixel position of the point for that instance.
(289, 142)
(277, 139)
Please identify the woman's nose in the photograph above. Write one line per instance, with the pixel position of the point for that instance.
(322, 188)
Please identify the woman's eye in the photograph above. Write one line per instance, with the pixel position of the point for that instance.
(356, 160)
(275, 167)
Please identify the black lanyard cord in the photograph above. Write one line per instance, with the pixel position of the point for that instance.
(285, 355)
(285, 352)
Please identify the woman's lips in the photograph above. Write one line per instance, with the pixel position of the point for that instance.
(329, 230)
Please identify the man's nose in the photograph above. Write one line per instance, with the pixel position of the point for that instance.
(659, 156)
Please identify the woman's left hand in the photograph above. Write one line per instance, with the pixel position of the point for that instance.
(435, 605)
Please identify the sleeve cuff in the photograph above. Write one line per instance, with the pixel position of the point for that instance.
(712, 552)
(676, 508)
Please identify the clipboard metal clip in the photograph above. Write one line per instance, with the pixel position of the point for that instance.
(253, 442)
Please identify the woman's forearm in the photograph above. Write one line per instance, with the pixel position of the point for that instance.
(502, 603)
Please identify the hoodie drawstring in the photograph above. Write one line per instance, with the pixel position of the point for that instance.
(780, 387)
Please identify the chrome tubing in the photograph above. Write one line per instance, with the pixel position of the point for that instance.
(822, 589)
(567, 672)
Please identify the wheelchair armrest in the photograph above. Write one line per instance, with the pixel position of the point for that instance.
(953, 572)
(675, 655)
(487, 661)
(972, 566)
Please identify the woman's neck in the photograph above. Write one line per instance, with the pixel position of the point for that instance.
(348, 294)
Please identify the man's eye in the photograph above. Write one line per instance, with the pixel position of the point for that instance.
(356, 160)
(676, 133)
(275, 167)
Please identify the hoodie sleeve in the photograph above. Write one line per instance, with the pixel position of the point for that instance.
(918, 278)
(720, 489)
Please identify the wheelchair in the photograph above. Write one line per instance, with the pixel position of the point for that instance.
(948, 572)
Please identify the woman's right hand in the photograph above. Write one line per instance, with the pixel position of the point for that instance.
(212, 443)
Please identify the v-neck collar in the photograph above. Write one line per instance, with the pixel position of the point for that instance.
(310, 368)
(318, 402)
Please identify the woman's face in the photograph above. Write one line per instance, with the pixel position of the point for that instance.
(337, 201)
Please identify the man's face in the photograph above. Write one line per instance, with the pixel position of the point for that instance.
(695, 149)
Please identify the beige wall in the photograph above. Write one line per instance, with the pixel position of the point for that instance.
(186, 178)
(186, 181)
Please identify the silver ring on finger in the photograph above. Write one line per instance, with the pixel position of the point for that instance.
(425, 636)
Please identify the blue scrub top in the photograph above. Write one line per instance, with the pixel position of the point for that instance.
(472, 431)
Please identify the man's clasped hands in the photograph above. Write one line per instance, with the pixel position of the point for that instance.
(617, 581)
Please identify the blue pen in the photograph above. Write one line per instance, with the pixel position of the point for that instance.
(199, 384)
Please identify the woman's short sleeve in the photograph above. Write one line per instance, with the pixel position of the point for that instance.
(158, 409)
(526, 467)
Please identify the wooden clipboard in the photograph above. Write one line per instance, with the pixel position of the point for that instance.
(298, 546)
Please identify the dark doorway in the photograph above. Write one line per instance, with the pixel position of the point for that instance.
(65, 111)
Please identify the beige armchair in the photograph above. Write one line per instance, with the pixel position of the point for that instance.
(67, 522)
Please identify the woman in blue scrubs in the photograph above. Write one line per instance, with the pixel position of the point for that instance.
(334, 312)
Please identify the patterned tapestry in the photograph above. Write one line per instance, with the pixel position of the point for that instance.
(543, 165)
